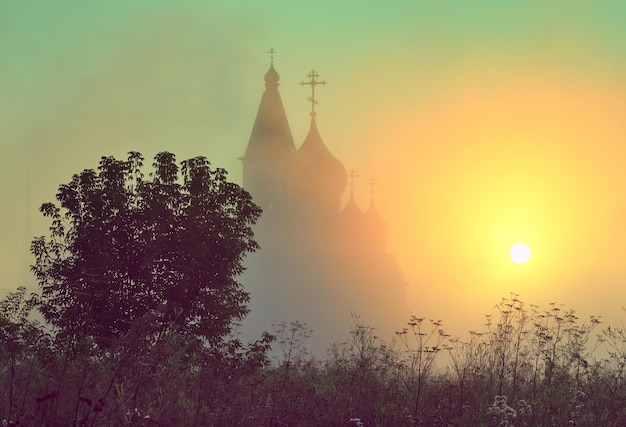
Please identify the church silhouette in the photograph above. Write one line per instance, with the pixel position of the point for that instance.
(319, 263)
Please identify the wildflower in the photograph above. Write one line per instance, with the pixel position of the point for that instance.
(501, 411)
(576, 406)
(524, 408)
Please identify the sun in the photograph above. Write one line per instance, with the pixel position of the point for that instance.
(520, 253)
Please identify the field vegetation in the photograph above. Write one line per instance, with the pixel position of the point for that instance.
(528, 367)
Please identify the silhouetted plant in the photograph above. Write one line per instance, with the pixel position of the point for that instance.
(291, 339)
(468, 360)
(122, 247)
(545, 362)
(22, 344)
(421, 348)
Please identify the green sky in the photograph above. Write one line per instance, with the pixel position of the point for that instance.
(82, 79)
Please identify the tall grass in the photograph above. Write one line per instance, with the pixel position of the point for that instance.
(527, 366)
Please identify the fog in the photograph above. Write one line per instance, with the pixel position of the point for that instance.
(481, 132)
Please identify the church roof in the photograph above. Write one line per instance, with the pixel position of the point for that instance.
(271, 137)
(316, 162)
(320, 165)
(351, 210)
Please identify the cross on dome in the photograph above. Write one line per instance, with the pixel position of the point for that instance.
(271, 52)
(372, 183)
(352, 174)
(313, 82)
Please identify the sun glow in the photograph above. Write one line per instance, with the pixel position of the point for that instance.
(520, 253)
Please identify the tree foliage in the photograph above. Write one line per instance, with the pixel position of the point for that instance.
(122, 247)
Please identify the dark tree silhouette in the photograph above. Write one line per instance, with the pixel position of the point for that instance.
(123, 248)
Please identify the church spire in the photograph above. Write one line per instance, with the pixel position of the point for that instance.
(270, 150)
(272, 78)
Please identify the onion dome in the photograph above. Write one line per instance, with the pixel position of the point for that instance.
(319, 168)
(353, 226)
(351, 211)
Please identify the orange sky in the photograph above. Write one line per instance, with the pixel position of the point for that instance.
(485, 123)
(534, 158)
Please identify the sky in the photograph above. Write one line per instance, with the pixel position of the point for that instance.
(486, 123)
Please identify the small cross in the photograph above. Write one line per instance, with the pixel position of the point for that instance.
(352, 175)
(313, 82)
(271, 52)
(372, 183)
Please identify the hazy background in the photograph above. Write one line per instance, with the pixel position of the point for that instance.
(486, 123)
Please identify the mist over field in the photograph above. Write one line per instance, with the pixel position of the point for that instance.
(485, 125)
